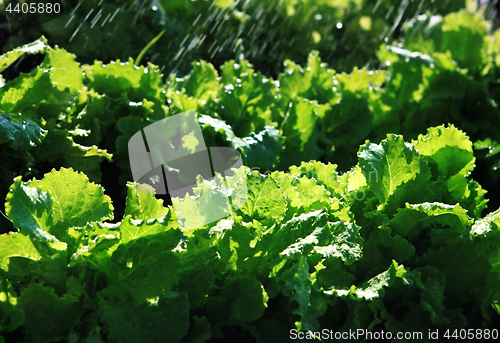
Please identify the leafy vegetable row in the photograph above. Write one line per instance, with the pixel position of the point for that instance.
(347, 33)
(67, 114)
(396, 243)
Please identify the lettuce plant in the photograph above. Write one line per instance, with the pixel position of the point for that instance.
(398, 243)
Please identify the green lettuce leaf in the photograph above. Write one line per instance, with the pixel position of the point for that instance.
(265, 200)
(16, 244)
(51, 90)
(311, 304)
(259, 150)
(447, 222)
(145, 267)
(201, 83)
(465, 29)
(142, 204)
(210, 203)
(314, 82)
(324, 174)
(375, 287)
(20, 133)
(301, 132)
(11, 315)
(389, 165)
(59, 148)
(336, 240)
(47, 316)
(65, 73)
(448, 151)
(132, 229)
(246, 102)
(123, 78)
(74, 201)
(168, 317)
(245, 299)
(37, 47)
(29, 209)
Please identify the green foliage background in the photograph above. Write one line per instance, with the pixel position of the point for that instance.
(395, 235)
